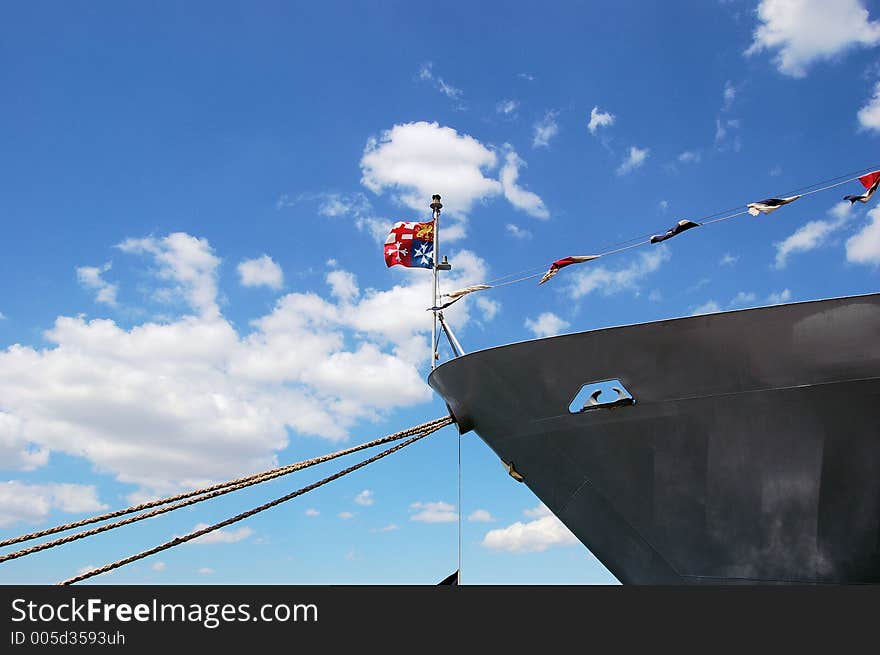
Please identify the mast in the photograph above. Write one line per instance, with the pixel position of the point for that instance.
(435, 301)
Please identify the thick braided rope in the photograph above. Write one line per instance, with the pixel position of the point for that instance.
(240, 517)
(197, 496)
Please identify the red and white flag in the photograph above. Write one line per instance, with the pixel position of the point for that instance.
(410, 244)
(870, 181)
(562, 263)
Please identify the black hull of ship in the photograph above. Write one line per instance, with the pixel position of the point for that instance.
(751, 454)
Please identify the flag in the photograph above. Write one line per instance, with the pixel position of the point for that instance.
(678, 228)
(457, 295)
(463, 292)
(410, 244)
(565, 261)
(870, 181)
(769, 205)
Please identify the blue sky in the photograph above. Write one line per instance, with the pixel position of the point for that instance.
(194, 199)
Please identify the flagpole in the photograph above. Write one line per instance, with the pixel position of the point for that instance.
(435, 301)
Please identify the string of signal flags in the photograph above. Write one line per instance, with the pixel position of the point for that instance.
(411, 244)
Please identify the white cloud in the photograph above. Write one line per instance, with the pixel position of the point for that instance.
(690, 157)
(598, 119)
(527, 201)
(391, 527)
(517, 232)
(634, 160)
(417, 160)
(526, 76)
(426, 74)
(231, 536)
(721, 132)
(807, 31)
(507, 107)
(869, 115)
(159, 567)
(480, 516)
(261, 271)
(437, 512)
(708, 307)
(743, 298)
(544, 532)
(864, 246)
(664, 205)
(488, 308)
(32, 503)
(547, 324)
(355, 206)
(699, 284)
(607, 282)
(187, 261)
(345, 516)
(312, 512)
(2, 316)
(284, 201)
(189, 401)
(728, 95)
(728, 260)
(343, 285)
(811, 235)
(205, 570)
(334, 205)
(778, 297)
(91, 278)
(545, 129)
(16, 451)
(806, 238)
(365, 498)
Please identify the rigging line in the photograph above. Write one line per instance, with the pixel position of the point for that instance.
(251, 512)
(635, 245)
(281, 470)
(541, 269)
(168, 508)
(830, 186)
(796, 191)
(527, 277)
(850, 175)
(724, 218)
(805, 193)
(460, 509)
(829, 183)
(504, 277)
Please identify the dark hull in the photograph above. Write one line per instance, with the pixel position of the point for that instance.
(752, 453)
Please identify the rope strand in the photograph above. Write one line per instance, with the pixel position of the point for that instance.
(240, 517)
(197, 495)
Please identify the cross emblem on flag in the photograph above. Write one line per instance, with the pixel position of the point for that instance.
(410, 244)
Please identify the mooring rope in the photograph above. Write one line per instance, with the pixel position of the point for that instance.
(240, 517)
(198, 495)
